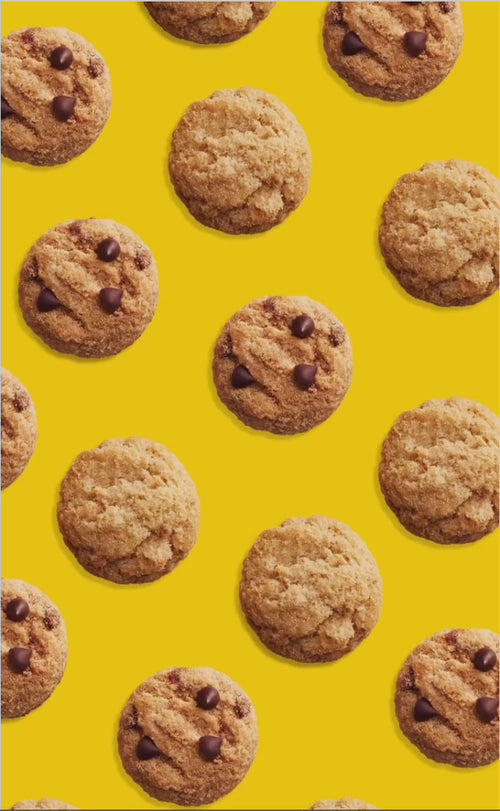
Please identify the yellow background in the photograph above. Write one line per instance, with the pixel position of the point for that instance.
(326, 730)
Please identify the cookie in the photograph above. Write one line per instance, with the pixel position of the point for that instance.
(311, 589)
(188, 735)
(394, 51)
(34, 648)
(283, 364)
(346, 802)
(129, 511)
(56, 95)
(209, 23)
(439, 470)
(89, 288)
(240, 161)
(42, 804)
(447, 697)
(439, 233)
(19, 428)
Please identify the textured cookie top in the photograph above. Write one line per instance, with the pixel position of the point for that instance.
(89, 287)
(42, 804)
(19, 428)
(209, 23)
(240, 161)
(188, 735)
(34, 648)
(128, 510)
(346, 802)
(439, 232)
(395, 51)
(56, 95)
(439, 470)
(447, 697)
(311, 589)
(283, 364)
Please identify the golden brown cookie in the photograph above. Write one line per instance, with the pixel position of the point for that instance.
(346, 802)
(47, 803)
(209, 23)
(19, 428)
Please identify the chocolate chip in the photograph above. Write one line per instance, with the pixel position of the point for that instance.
(7, 110)
(336, 338)
(415, 42)
(17, 610)
(241, 377)
(52, 619)
(207, 698)
(63, 107)
(95, 68)
(423, 710)
(485, 659)
(47, 301)
(351, 44)
(302, 326)
(19, 659)
(446, 7)
(142, 259)
(108, 250)
(110, 299)
(147, 749)
(61, 58)
(305, 375)
(241, 709)
(487, 709)
(209, 747)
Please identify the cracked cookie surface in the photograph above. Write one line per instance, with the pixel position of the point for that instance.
(188, 735)
(19, 428)
(46, 803)
(447, 697)
(394, 51)
(311, 589)
(439, 470)
(129, 511)
(56, 95)
(209, 23)
(439, 233)
(345, 803)
(89, 288)
(299, 360)
(240, 161)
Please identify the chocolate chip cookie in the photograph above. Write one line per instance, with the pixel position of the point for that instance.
(42, 804)
(56, 95)
(129, 511)
(240, 161)
(439, 470)
(447, 697)
(439, 233)
(19, 428)
(394, 51)
(34, 648)
(346, 802)
(209, 23)
(283, 364)
(311, 589)
(89, 288)
(188, 736)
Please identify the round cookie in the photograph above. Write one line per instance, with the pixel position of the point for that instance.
(439, 233)
(129, 511)
(447, 697)
(209, 23)
(19, 428)
(240, 161)
(394, 51)
(34, 648)
(188, 736)
(56, 95)
(42, 804)
(311, 589)
(89, 288)
(283, 364)
(439, 470)
(346, 802)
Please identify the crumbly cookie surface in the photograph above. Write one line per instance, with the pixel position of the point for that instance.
(346, 802)
(19, 428)
(209, 23)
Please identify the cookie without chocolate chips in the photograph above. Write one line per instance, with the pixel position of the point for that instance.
(439, 233)
(19, 428)
(394, 51)
(34, 648)
(56, 95)
(240, 161)
(439, 470)
(283, 364)
(129, 511)
(89, 288)
(209, 23)
(346, 802)
(447, 697)
(311, 589)
(47, 803)
(188, 736)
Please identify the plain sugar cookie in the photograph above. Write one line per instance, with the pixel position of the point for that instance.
(209, 23)
(19, 428)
